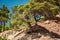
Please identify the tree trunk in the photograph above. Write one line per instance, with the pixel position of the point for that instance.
(0, 23)
(3, 28)
(4, 23)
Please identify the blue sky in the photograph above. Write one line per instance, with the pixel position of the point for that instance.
(11, 3)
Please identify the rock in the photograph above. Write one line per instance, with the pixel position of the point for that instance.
(47, 22)
(24, 38)
(19, 34)
(57, 15)
(10, 37)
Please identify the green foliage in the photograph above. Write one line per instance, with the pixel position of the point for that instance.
(4, 14)
(4, 28)
(25, 13)
(3, 38)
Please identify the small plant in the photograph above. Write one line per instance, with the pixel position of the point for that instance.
(3, 38)
(4, 28)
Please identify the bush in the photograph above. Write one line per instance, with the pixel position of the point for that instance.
(4, 28)
(3, 38)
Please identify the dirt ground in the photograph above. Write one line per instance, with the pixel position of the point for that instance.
(52, 26)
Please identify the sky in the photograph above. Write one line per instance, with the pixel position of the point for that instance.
(11, 3)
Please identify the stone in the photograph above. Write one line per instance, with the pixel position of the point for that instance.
(47, 22)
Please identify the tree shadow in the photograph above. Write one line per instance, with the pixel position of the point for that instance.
(57, 19)
(43, 31)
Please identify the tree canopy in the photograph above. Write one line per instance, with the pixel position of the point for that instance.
(25, 13)
(4, 16)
